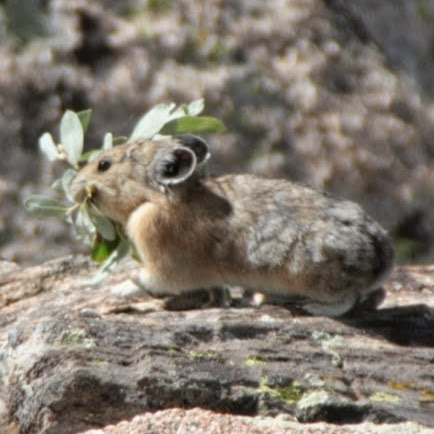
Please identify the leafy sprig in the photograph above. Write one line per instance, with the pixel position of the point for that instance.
(108, 242)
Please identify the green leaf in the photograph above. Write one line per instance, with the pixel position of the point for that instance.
(84, 117)
(42, 206)
(71, 136)
(196, 107)
(112, 261)
(193, 124)
(48, 147)
(102, 249)
(119, 140)
(152, 122)
(103, 225)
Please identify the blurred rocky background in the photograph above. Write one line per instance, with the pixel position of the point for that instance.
(331, 93)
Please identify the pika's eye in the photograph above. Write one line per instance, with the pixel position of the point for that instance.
(104, 165)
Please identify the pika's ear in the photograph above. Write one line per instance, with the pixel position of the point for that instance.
(197, 145)
(175, 166)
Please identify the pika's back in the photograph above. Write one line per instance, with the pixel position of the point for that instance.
(277, 217)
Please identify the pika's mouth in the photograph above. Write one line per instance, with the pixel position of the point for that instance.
(81, 191)
(90, 191)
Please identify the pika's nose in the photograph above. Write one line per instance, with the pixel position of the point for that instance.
(78, 189)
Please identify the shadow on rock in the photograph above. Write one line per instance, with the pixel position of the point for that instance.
(411, 325)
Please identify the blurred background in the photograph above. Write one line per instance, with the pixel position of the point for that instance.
(335, 94)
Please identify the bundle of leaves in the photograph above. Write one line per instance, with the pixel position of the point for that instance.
(106, 238)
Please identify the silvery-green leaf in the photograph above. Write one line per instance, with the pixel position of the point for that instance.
(152, 122)
(84, 117)
(108, 142)
(71, 136)
(178, 113)
(94, 156)
(90, 156)
(48, 147)
(161, 137)
(57, 185)
(66, 180)
(112, 261)
(103, 225)
(84, 228)
(196, 107)
(42, 206)
(193, 124)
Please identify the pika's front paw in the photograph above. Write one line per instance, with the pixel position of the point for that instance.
(149, 285)
(127, 289)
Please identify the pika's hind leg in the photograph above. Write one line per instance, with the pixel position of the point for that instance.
(331, 308)
(352, 302)
(371, 300)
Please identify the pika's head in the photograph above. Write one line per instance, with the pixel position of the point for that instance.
(121, 179)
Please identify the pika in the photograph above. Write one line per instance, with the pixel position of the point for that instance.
(193, 231)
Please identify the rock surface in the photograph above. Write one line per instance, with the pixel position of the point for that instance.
(200, 421)
(76, 357)
(404, 32)
(309, 90)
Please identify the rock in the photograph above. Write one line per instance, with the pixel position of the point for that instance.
(199, 421)
(410, 50)
(77, 357)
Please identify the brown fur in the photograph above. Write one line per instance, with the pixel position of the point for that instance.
(269, 234)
